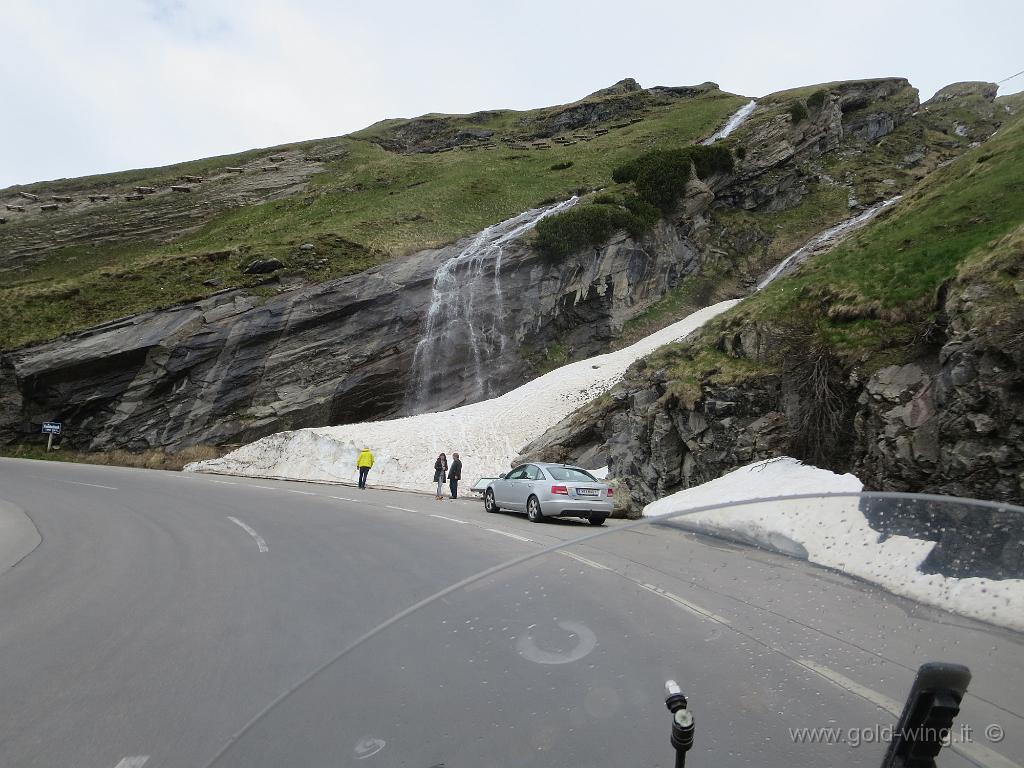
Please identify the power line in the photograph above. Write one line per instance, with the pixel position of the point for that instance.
(1010, 77)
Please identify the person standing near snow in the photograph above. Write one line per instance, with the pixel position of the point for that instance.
(454, 475)
(440, 469)
(363, 464)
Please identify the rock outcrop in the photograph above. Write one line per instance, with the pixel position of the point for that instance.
(101, 218)
(235, 367)
(949, 422)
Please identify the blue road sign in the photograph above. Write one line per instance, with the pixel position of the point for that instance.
(52, 427)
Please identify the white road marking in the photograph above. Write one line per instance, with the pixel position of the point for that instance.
(133, 762)
(223, 482)
(303, 493)
(342, 498)
(402, 509)
(973, 751)
(510, 535)
(264, 487)
(90, 484)
(686, 604)
(75, 482)
(451, 519)
(260, 542)
(585, 561)
(880, 700)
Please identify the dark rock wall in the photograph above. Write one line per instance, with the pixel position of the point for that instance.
(950, 423)
(234, 367)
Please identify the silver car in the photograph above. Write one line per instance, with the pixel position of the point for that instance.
(550, 490)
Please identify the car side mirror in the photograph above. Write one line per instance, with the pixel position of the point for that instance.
(501, 476)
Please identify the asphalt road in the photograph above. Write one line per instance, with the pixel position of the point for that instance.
(162, 612)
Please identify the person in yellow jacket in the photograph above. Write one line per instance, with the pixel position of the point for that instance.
(363, 463)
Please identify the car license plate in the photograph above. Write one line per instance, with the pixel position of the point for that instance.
(587, 492)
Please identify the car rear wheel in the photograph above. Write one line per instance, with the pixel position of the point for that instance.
(533, 513)
(597, 519)
(489, 503)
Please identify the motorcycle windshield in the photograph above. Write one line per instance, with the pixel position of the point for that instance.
(794, 626)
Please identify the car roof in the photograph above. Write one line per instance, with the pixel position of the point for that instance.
(552, 464)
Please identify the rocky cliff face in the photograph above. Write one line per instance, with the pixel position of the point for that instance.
(949, 422)
(235, 367)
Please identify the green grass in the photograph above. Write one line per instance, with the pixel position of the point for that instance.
(692, 293)
(154, 458)
(549, 358)
(755, 241)
(690, 367)
(871, 293)
(869, 300)
(369, 205)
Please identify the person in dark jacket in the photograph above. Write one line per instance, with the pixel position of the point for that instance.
(440, 468)
(454, 475)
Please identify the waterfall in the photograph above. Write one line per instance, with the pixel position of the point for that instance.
(734, 122)
(464, 328)
(828, 238)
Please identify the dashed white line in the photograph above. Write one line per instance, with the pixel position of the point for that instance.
(451, 519)
(401, 509)
(510, 535)
(880, 700)
(302, 493)
(585, 561)
(260, 542)
(90, 484)
(341, 498)
(223, 482)
(265, 487)
(686, 604)
(133, 762)
(76, 482)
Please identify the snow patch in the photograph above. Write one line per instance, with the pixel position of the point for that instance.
(488, 435)
(833, 532)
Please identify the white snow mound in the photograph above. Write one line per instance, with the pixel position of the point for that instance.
(834, 533)
(488, 435)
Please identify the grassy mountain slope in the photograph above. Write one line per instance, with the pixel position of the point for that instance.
(874, 300)
(384, 192)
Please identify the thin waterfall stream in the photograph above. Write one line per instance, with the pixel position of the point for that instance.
(464, 328)
(822, 240)
(735, 121)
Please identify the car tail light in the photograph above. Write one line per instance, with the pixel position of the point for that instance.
(611, 492)
(560, 489)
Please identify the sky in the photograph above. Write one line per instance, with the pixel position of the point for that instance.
(93, 86)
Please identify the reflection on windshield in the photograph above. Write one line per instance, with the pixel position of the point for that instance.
(561, 657)
(571, 474)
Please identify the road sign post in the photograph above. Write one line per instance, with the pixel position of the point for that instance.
(51, 428)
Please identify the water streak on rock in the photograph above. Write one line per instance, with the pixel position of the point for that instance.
(462, 334)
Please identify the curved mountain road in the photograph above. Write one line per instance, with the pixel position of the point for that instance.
(162, 611)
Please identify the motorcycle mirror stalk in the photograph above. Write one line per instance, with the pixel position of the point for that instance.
(682, 721)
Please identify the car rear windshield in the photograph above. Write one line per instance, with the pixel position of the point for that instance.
(571, 474)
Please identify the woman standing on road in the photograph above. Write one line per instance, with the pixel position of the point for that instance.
(440, 470)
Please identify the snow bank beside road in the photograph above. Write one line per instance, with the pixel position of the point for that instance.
(834, 533)
(488, 434)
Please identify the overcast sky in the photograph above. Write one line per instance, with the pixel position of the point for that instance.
(90, 86)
